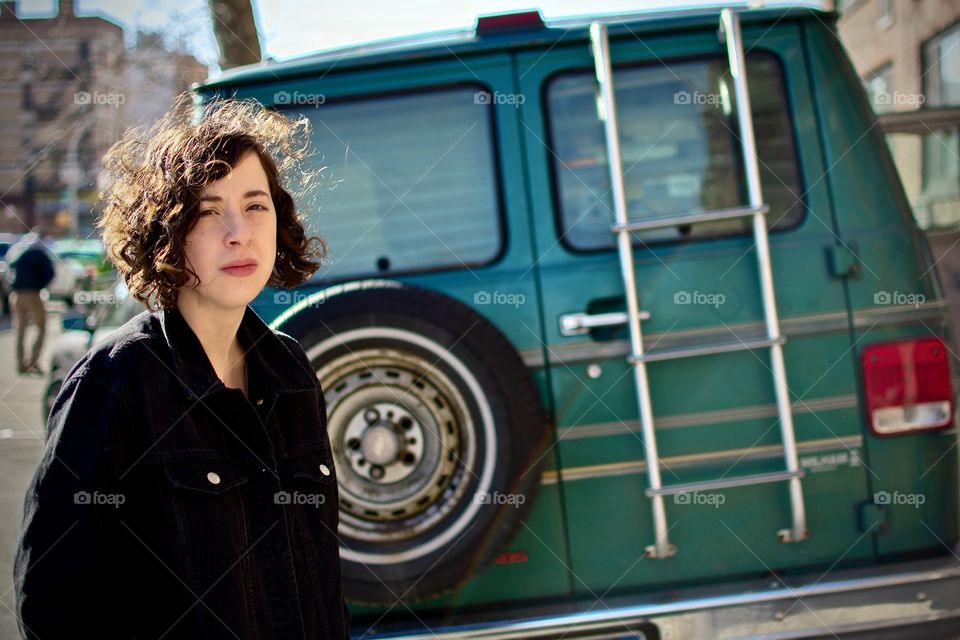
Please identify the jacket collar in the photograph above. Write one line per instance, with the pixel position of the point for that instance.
(271, 367)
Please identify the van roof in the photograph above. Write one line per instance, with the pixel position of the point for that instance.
(507, 31)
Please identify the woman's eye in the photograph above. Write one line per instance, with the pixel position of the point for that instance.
(258, 207)
(206, 212)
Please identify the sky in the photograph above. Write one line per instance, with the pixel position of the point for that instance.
(290, 28)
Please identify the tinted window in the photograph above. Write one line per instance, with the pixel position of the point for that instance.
(410, 183)
(679, 147)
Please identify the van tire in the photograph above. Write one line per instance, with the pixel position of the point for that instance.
(397, 361)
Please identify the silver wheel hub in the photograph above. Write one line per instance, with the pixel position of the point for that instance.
(380, 445)
(383, 442)
(403, 438)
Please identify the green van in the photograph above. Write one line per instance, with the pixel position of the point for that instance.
(626, 330)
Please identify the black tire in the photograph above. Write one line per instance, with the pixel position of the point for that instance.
(427, 390)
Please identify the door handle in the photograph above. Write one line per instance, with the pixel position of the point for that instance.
(577, 324)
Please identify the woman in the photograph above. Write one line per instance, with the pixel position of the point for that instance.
(187, 488)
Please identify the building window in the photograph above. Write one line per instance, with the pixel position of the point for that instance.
(878, 85)
(941, 68)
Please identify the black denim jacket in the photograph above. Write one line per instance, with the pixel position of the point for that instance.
(168, 505)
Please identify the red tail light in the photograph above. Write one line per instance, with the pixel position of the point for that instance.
(907, 386)
(505, 22)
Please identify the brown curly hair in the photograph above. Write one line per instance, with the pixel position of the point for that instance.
(156, 174)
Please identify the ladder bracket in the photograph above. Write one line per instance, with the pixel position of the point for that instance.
(789, 535)
(669, 550)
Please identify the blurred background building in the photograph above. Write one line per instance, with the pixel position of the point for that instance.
(907, 52)
(154, 75)
(69, 86)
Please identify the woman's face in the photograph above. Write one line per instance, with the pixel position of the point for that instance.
(236, 225)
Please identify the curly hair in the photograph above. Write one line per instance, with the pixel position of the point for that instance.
(156, 175)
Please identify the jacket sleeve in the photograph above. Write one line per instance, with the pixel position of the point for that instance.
(66, 580)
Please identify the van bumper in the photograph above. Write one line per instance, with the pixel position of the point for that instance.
(904, 598)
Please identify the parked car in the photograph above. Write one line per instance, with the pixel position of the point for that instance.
(103, 312)
(627, 328)
(79, 265)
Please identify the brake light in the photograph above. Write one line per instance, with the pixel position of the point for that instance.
(907, 386)
(507, 22)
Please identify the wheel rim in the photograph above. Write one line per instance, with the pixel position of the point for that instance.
(411, 496)
(396, 432)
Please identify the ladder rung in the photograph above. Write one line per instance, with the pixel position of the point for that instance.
(725, 483)
(688, 218)
(705, 350)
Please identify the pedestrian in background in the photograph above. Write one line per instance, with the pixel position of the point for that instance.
(33, 270)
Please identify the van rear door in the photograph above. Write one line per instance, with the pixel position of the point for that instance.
(715, 415)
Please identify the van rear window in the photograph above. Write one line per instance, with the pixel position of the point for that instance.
(410, 183)
(679, 148)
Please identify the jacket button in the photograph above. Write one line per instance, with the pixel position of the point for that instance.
(324, 469)
(259, 401)
(213, 478)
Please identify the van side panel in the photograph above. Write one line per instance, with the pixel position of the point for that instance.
(895, 295)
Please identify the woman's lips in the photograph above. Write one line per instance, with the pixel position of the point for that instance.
(240, 272)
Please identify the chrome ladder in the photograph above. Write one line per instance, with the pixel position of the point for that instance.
(662, 548)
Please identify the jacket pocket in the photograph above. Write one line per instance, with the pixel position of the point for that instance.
(207, 498)
(310, 494)
(215, 477)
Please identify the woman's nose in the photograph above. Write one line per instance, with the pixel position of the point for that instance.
(237, 227)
